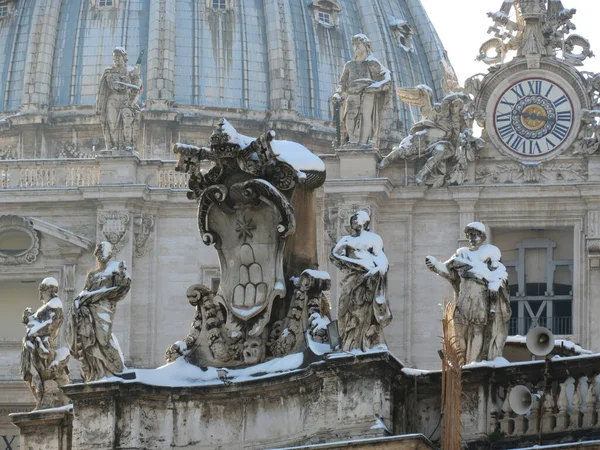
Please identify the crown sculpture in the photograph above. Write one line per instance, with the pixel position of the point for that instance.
(248, 206)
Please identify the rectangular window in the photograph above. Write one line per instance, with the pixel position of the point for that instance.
(219, 4)
(3, 11)
(105, 3)
(325, 18)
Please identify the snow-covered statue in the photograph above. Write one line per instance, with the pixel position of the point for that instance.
(363, 308)
(444, 135)
(256, 205)
(91, 340)
(44, 369)
(117, 102)
(481, 294)
(365, 88)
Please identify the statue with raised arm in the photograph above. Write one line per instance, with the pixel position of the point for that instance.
(481, 294)
(91, 340)
(365, 88)
(117, 101)
(44, 369)
(363, 308)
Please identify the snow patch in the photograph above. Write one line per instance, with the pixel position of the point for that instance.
(180, 373)
(50, 282)
(317, 274)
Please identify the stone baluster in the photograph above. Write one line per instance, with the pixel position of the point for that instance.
(548, 419)
(532, 419)
(506, 423)
(590, 416)
(575, 414)
(562, 417)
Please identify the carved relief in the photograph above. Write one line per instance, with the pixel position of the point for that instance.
(20, 242)
(8, 152)
(531, 173)
(143, 225)
(114, 226)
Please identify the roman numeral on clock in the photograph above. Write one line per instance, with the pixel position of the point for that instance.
(564, 116)
(518, 91)
(504, 117)
(505, 131)
(560, 101)
(560, 131)
(535, 87)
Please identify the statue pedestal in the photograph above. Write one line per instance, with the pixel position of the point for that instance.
(341, 397)
(48, 429)
(359, 161)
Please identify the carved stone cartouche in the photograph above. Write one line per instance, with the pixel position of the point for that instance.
(91, 340)
(44, 369)
(245, 211)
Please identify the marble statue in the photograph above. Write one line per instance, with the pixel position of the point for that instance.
(117, 102)
(245, 210)
(480, 283)
(91, 340)
(444, 135)
(365, 88)
(44, 369)
(363, 308)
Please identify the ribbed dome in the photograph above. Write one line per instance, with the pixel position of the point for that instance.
(247, 55)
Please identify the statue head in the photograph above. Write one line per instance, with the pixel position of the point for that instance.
(362, 46)
(103, 252)
(254, 350)
(475, 234)
(48, 289)
(120, 57)
(359, 222)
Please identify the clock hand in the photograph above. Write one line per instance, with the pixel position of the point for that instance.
(534, 116)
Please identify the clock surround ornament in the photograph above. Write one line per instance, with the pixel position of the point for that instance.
(532, 115)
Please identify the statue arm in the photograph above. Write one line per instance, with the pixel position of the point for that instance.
(342, 84)
(379, 258)
(439, 267)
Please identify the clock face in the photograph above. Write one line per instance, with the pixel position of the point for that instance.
(533, 117)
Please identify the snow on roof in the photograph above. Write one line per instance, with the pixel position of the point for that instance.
(415, 372)
(182, 374)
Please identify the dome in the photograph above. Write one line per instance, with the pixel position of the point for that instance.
(261, 63)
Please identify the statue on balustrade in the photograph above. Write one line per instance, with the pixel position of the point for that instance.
(480, 283)
(44, 369)
(365, 88)
(117, 102)
(91, 340)
(363, 307)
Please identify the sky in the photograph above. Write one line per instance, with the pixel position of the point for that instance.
(462, 26)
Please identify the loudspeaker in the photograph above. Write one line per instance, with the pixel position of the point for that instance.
(520, 400)
(540, 341)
